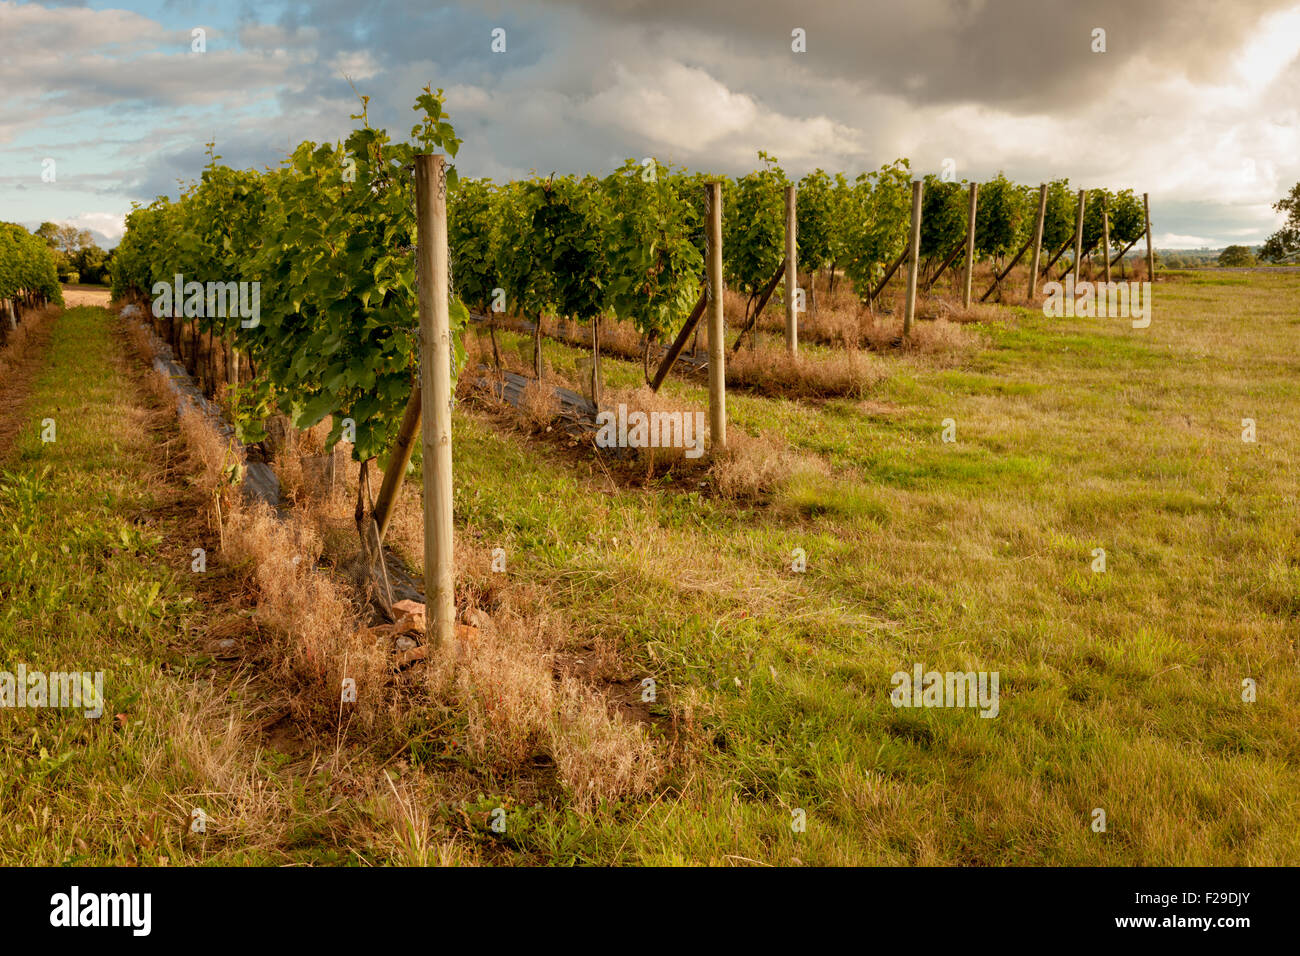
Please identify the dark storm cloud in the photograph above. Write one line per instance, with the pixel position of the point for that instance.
(1015, 54)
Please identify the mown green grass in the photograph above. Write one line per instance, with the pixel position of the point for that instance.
(94, 578)
(1120, 691)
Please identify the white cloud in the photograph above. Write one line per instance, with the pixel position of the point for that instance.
(1171, 240)
(675, 105)
(356, 65)
(108, 224)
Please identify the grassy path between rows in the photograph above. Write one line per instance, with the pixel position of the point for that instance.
(96, 533)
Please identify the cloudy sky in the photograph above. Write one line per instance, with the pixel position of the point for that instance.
(1194, 101)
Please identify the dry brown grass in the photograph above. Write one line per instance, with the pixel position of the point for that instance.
(840, 321)
(211, 453)
(838, 326)
(478, 351)
(17, 341)
(769, 369)
(952, 311)
(643, 399)
(937, 338)
(538, 406)
(753, 466)
(617, 338)
(299, 459)
(318, 640)
(500, 682)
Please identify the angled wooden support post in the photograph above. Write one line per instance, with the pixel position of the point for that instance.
(398, 460)
(943, 266)
(997, 279)
(679, 343)
(889, 274)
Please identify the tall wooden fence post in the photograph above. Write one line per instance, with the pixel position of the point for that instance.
(1151, 253)
(913, 258)
(1105, 234)
(791, 272)
(717, 348)
(970, 243)
(1078, 238)
(1038, 241)
(435, 396)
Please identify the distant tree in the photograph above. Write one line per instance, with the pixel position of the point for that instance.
(49, 231)
(67, 240)
(1285, 243)
(90, 263)
(1236, 257)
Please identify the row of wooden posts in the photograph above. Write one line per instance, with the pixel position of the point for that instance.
(429, 410)
(912, 253)
(789, 267)
(12, 309)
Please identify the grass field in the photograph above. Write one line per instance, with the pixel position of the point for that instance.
(1120, 691)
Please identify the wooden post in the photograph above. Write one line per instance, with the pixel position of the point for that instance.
(435, 397)
(913, 257)
(1105, 234)
(1038, 241)
(1151, 253)
(1078, 238)
(595, 360)
(398, 459)
(970, 243)
(717, 350)
(791, 273)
